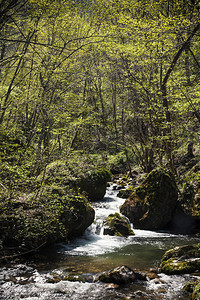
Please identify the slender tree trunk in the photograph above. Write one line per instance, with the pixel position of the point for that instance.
(10, 87)
(168, 143)
(3, 49)
(114, 100)
(124, 142)
(187, 66)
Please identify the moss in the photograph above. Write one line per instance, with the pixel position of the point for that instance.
(94, 183)
(184, 252)
(126, 193)
(88, 179)
(78, 278)
(175, 267)
(124, 180)
(152, 204)
(196, 291)
(104, 277)
(117, 225)
(49, 216)
(54, 207)
(189, 287)
(181, 260)
(117, 163)
(154, 187)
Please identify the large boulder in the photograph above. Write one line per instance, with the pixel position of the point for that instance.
(181, 260)
(84, 177)
(43, 218)
(117, 225)
(152, 204)
(94, 183)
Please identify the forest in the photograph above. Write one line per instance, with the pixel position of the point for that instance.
(114, 78)
(92, 91)
(93, 85)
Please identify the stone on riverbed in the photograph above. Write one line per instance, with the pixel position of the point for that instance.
(117, 225)
(181, 260)
(121, 275)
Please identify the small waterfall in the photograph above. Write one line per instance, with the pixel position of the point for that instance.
(94, 242)
(94, 252)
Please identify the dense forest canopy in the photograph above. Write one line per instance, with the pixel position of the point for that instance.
(90, 91)
(104, 77)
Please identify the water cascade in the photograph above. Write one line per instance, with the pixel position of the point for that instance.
(93, 253)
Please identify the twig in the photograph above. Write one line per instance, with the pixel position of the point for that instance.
(3, 186)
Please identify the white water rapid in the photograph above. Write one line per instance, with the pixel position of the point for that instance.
(93, 253)
(93, 242)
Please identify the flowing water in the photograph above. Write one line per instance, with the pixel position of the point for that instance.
(92, 254)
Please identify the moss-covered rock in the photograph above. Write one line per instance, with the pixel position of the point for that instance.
(117, 225)
(123, 181)
(45, 217)
(193, 289)
(54, 206)
(181, 260)
(126, 193)
(88, 179)
(152, 204)
(94, 183)
(196, 291)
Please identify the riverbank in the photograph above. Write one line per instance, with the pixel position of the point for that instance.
(86, 257)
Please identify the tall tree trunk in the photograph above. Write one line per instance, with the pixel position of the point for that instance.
(168, 143)
(10, 87)
(114, 100)
(124, 141)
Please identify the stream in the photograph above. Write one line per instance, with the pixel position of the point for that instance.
(94, 253)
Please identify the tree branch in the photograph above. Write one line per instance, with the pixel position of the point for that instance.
(178, 54)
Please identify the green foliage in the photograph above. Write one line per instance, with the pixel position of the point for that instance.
(196, 291)
(11, 146)
(89, 76)
(87, 87)
(44, 217)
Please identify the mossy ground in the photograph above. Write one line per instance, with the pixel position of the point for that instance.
(44, 217)
(50, 207)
